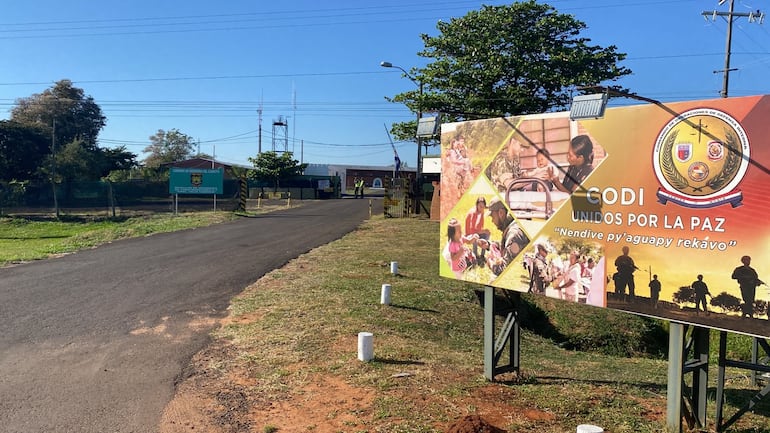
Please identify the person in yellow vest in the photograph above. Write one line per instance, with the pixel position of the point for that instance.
(360, 188)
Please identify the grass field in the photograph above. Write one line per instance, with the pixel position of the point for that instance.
(298, 325)
(292, 335)
(36, 237)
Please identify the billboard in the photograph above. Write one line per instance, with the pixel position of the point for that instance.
(196, 180)
(657, 209)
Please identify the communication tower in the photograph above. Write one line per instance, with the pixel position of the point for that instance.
(281, 134)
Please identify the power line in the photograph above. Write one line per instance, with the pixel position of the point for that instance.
(293, 18)
(730, 15)
(219, 77)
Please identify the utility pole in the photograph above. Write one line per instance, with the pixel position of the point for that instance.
(756, 16)
(53, 168)
(294, 115)
(259, 149)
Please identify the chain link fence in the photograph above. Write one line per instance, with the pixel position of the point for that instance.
(114, 198)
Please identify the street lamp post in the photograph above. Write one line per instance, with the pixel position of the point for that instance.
(418, 181)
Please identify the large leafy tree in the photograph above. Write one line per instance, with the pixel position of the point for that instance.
(63, 124)
(75, 162)
(66, 110)
(274, 167)
(514, 59)
(23, 150)
(117, 159)
(168, 146)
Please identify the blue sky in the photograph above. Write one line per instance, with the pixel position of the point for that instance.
(206, 68)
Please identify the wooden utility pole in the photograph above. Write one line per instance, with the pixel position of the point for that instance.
(757, 16)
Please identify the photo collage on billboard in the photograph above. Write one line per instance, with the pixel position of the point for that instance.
(655, 209)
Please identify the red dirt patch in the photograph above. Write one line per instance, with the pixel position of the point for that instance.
(473, 424)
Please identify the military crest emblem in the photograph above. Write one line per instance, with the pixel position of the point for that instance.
(196, 179)
(700, 158)
(683, 152)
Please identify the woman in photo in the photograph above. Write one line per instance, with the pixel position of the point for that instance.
(580, 158)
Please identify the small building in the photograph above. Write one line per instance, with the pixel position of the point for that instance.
(374, 176)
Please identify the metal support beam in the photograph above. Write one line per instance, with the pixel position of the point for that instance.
(674, 390)
(698, 365)
(682, 401)
(510, 334)
(754, 366)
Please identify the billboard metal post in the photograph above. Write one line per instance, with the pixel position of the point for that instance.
(690, 403)
(489, 332)
(675, 382)
(510, 334)
(697, 364)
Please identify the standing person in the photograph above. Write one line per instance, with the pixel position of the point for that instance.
(587, 276)
(540, 277)
(474, 224)
(748, 280)
(355, 187)
(569, 286)
(625, 275)
(654, 291)
(360, 187)
(459, 162)
(701, 290)
(580, 158)
(512, 241)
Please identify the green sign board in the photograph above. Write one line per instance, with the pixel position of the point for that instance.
(195, 181)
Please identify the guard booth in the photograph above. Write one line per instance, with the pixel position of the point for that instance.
(397, 202)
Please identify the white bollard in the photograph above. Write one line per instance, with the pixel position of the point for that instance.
(394, 268)
(365, 346)
(385, 294)
(588, 428)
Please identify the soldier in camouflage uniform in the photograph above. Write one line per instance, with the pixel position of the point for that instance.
(540, 275)
(511, 243)
(506, 167)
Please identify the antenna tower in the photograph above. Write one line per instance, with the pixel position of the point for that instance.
(281, 134)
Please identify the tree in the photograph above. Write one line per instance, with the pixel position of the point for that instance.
(168, 147)
(75, 162)
(506, 60)
(274, 167)
(72, 122)
(117, 159)
(64, 109)
(685, 295)
(23, 149)
(11, 193)
(726, 302)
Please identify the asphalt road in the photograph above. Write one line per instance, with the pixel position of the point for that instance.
(93, 341)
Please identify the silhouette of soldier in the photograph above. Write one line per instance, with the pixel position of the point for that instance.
(748, 280)
(654, 291)
(625, 275)
(701, 290)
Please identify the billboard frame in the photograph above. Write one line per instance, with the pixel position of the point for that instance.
(684, 359)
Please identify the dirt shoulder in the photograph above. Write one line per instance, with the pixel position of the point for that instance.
(285, 359)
